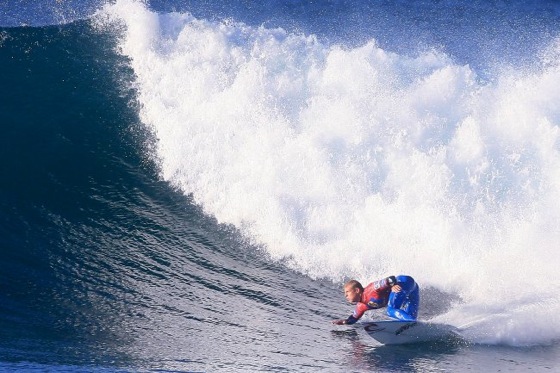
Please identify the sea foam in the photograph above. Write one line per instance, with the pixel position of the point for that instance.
(360, 162)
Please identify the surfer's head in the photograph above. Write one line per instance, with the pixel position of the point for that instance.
(353, 291)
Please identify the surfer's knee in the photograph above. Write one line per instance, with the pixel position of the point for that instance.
(400, 314)
(406, 283)
(411, 309)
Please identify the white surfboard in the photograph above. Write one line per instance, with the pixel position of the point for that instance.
(391, 332)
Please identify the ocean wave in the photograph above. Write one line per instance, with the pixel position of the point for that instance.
(358, 161)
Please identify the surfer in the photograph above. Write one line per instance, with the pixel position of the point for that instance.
(400, 294)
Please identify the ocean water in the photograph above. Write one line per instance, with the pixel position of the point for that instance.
(186, 185)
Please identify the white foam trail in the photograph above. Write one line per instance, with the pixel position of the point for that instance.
(361, 162)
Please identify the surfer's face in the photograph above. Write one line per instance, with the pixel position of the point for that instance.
(352, 294)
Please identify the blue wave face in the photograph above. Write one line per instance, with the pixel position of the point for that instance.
(63, 114)
(102, 261)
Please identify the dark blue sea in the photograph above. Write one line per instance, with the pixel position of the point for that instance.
(186, 185)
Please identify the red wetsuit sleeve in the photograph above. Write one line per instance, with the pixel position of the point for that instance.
(359, 310)
(358, 313)
(384, 284)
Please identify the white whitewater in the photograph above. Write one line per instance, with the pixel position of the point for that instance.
(361, 162)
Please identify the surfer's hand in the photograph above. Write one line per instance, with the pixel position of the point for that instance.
(339, 322)
(396, 288)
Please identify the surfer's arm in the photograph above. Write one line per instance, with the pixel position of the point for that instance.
(349, 321)
(355, 316)
(385, 283)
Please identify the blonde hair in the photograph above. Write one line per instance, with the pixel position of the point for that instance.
(354, 284)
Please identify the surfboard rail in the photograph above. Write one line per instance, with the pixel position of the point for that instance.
(391, 332)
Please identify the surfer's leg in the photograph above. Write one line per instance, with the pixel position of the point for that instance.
(399, 314)
(396, 301)
(412, 303)
(404, 304)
